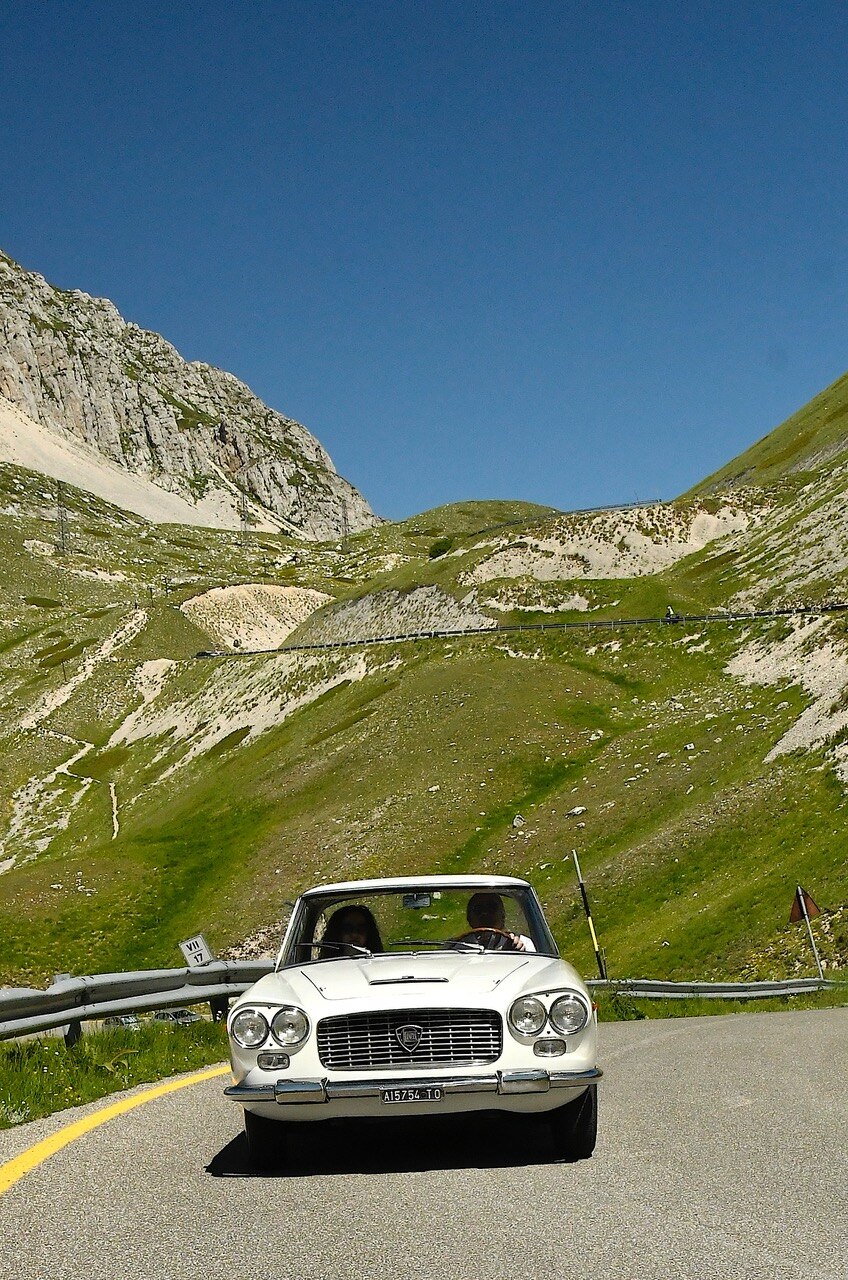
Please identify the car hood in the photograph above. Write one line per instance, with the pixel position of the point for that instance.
(446, 977)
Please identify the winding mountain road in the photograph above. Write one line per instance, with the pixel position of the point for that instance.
(722, 1153)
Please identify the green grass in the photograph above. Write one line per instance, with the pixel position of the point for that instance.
(343, 789)
(816, 430)
(39, 1077)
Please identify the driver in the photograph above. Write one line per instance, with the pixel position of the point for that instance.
(486, 911)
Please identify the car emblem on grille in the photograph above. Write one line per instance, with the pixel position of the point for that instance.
(409, 1036)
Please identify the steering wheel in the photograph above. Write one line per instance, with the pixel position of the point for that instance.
(490, 939)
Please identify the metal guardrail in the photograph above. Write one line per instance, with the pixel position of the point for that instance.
(501, 628)
(68, 1001)
(655, 989)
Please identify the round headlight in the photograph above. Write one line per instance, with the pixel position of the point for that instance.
(290, 1026)
(569, 1014)
(249, 1029)
(528, 1015)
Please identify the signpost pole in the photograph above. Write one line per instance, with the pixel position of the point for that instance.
(599, 956)
(802, 903)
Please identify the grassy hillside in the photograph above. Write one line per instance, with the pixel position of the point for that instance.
(813, 438)
(149, 794)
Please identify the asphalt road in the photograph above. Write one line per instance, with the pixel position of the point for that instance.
(723, 1153)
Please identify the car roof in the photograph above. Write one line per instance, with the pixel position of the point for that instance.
(420, 882)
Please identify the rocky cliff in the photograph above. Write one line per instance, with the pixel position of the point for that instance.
(75, 367)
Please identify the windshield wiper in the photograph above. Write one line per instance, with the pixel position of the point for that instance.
(443, 944)
(344, 948)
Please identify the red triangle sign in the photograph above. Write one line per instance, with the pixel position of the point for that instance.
(796, 913)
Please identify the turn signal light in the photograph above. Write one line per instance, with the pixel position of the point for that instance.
(272, 1061)
(549, 1048)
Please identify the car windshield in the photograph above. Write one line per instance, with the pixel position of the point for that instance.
(473, 921)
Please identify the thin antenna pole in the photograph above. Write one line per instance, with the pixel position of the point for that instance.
(244, 506)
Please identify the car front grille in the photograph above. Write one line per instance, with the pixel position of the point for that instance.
(449, 1037)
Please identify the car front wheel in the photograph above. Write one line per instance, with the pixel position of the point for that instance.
(575, 1126)
(267, 1141)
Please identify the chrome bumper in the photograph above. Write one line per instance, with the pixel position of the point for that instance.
(287, 1092)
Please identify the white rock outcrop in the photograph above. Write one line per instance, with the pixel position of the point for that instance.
(612, 544)
(73, 366)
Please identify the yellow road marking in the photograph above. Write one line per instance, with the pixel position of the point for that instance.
(36, 1155)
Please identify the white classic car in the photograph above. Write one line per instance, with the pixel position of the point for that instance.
(415, 995)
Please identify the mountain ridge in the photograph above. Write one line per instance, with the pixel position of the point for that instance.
(76, 368)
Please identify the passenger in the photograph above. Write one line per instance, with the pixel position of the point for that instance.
(486, 915)
(348, 928)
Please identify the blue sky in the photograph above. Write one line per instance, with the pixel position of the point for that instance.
(573, 253)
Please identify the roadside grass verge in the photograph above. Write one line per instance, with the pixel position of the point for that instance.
(41, 1076)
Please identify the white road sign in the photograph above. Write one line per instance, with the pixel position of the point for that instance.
(196, 951)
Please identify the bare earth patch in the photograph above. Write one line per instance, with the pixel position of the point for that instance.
(248, 696)
(252, 616)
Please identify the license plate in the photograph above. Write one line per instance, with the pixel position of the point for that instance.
(429, 1094)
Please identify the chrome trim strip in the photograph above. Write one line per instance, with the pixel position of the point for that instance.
(523, 1082)
(283, 1091)
(287, 1092)
(250, 1093)
(574, 1079)
(390, 982)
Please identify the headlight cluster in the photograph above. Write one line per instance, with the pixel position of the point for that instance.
(568, 1014)
(249, 1029)
(528, 1015)
(289, 1027)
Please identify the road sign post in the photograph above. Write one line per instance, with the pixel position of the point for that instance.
(196, 951)
(599, 955)
(802, 909)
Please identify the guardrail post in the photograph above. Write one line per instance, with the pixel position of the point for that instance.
(73, 1032)
(219, 1008)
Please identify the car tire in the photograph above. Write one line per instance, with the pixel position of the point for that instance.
(574, 1127)
(267, 1141)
